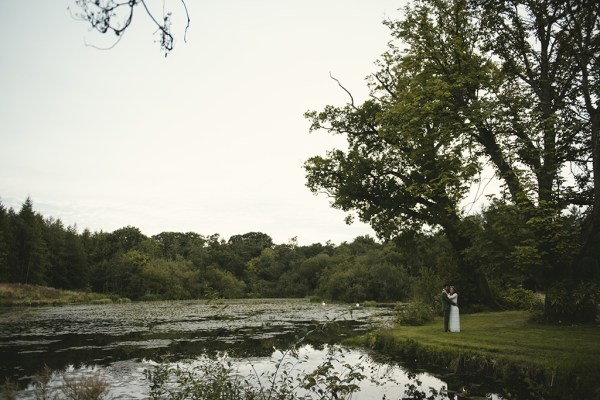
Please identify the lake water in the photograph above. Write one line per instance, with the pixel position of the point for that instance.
(120, 341)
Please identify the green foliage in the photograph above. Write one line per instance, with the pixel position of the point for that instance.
(359, 282)
(165, 279)
(463, 86)
(174, 245)
(328, 382)
(224, 283)
(414, 391)
(502, 237)
(364, 270)
(32, 258)
(212, 378)
(572, 303)
(426, 287)
(521, 299)
(172, 265)
(16, 294)
(414, 313)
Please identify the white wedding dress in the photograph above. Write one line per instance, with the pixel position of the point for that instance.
(454, 324)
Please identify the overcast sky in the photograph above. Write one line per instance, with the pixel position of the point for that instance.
(210, 139)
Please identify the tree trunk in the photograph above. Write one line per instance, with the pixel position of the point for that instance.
(587, 264)
(477, 283)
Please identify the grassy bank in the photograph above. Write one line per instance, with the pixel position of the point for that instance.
(30, 295)
(555, 361)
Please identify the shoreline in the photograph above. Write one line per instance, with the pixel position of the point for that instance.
(24, 295)
(554, 362)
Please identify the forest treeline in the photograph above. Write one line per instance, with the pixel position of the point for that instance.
(185, 265)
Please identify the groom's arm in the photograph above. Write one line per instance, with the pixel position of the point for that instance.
(447, 299)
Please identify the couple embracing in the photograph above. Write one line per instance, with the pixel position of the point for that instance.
(450, 309)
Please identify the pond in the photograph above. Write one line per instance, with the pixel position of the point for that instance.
(119, 342)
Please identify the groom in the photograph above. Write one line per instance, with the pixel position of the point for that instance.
(446, 303)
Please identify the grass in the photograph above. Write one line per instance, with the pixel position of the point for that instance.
(505, 345)
(27, 295)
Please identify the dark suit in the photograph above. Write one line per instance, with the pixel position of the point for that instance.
(446, 303)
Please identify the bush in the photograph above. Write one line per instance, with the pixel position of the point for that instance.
(415, 313)
(521, 299)
(572, 303)
(426, 287)
(72, 388)
(85, 388)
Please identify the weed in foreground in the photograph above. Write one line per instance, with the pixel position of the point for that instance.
(216, 378)
(51, 385)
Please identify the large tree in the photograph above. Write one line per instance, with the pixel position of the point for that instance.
(581, 23)
(549, 51)
(468, 85)
(406, 166)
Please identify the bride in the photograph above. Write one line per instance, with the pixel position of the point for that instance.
(454, 314)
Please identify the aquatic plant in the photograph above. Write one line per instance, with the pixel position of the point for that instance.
(215, 378)
(51, 385)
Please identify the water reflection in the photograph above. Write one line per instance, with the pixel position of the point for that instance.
(126, 379)
(120, 341)
(103, 334)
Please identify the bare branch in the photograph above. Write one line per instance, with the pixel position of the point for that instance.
(344, 89)
(108, 15)
(103, 48)
(187, 15)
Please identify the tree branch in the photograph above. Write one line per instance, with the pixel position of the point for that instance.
(345, 90)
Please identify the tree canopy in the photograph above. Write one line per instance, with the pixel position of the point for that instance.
(468, 85)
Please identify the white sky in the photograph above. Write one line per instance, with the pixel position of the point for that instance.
(211, 139)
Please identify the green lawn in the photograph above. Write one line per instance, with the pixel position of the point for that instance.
(511, 334)
(505, 345)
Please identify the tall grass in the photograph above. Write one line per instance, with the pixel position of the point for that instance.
(43, 387)
(21, 294)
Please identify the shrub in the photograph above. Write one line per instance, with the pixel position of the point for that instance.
(520, 299)
(101, 301)
(85, 388)
(73, 388)
(415, 313)
(426, 287)
(572, 303)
